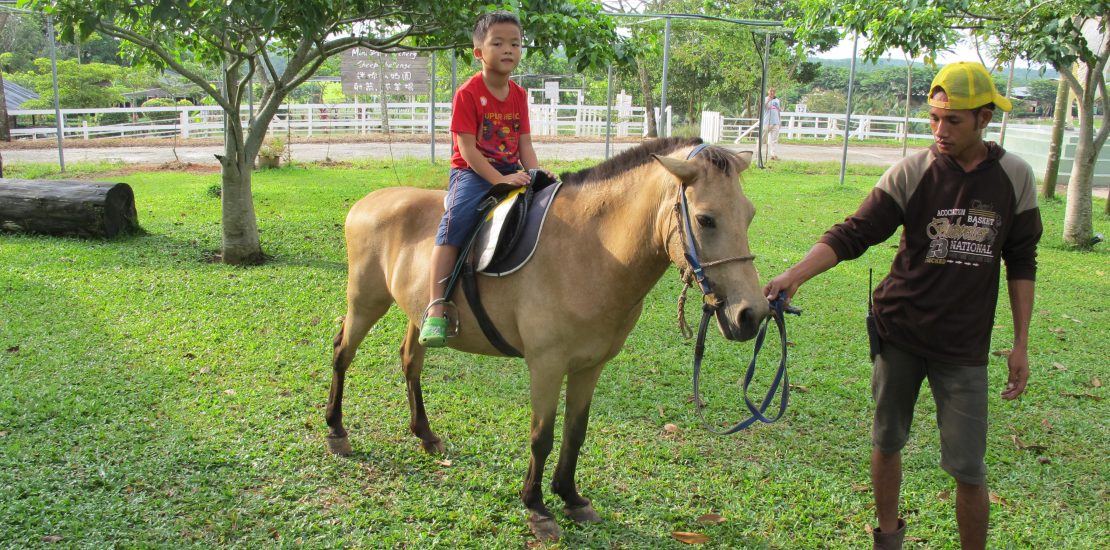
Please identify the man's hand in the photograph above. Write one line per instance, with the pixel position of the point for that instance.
(783, 282)
(1018, 363)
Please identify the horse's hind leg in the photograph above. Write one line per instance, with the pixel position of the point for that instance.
(580, 393)
(356, 324)
(412, 363)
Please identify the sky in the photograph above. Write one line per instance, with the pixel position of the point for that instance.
(964, 51)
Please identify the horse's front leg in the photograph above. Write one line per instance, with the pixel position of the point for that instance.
(412, 363)
(545, 385)
(580, 393)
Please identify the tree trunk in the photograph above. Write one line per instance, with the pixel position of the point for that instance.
(69, 208)
(241, 244)
(909, 90)
(1078, 224)
(1056, 145)
(649, 100)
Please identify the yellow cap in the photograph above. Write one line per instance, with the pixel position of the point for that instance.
(968, 86)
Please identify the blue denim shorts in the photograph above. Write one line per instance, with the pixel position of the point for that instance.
(464, 194)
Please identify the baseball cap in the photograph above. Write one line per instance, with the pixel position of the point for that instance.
(968, 85)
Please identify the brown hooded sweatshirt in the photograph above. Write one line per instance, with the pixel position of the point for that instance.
(940, 296)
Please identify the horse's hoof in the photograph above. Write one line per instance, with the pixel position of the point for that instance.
(340, 446)
(545, 528)
(582, 514)
(433, 447)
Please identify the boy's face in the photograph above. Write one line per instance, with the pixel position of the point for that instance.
(500, 51)
(957, 132)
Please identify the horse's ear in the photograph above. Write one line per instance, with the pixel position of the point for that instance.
(683, 170)
(745, 160)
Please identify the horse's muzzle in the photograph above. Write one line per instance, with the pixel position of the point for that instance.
(741, 322)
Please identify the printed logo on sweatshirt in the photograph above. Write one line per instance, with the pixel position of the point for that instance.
(963, 236)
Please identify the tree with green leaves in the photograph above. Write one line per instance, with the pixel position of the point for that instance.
(79, 86)
(1057, 32)
(242, 38)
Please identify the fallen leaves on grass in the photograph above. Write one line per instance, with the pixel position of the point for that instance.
(711, 519)
(1023, 446)
(995, 499)
(1044, 460)
(445, 463)
(229, 391)
(1080, 395)
(1058, 331)
(689, 538)
(1070, 318)
(1001, 353)
(798, 388)
(1046, 425)
(1095, 382)
(52, 538)
(670, 428)
(13, 349)
(1060, 367)
(944, 495)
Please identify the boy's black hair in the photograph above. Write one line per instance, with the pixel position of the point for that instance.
(487, 20)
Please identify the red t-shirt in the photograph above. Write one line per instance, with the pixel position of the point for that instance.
(497, 125)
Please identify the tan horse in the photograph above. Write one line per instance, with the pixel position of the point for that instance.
(610, 235)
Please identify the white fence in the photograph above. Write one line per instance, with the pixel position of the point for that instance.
(716, 128)
(314, 120)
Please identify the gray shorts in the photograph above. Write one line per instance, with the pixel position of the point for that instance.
(960, 393)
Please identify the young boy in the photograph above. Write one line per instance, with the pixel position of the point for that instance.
(492, 140)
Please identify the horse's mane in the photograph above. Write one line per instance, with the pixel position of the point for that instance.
(638, 156)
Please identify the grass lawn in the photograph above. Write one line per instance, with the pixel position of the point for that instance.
(151, 399)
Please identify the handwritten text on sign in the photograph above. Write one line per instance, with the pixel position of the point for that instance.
(370, 72)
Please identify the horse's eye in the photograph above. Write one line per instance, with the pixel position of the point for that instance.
(706, 221)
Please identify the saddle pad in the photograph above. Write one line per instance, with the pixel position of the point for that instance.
(526, 242)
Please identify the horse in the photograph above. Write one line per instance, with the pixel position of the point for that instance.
(611, 233)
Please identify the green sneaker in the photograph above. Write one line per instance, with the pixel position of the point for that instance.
(433, 333)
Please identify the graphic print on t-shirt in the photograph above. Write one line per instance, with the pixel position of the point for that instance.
(963, 236)
(499, 139)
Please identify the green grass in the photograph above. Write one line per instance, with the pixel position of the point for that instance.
(151, 399)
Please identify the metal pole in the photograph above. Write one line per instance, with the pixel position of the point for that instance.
(57, 104)
(608, 111)
(848, 115)
(432, 110)
(454, 71)
(762, 100)
(663, 93)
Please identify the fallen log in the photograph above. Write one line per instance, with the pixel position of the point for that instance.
(71, 208)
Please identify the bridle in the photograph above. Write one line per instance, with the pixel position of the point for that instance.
(695, 271)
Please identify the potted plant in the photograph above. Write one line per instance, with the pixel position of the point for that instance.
(269, 155)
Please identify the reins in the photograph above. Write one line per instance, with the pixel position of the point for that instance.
(711, 306)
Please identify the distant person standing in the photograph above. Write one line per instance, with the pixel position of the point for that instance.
(772, 119)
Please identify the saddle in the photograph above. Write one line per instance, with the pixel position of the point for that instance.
(512, 219)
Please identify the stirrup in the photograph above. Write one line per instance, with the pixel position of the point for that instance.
(450, 313)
